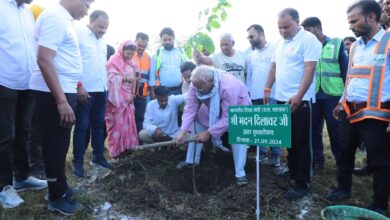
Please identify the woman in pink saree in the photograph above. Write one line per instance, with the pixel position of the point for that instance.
(120, 119)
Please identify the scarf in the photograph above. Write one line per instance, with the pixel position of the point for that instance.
(117, 62)
(214, 108)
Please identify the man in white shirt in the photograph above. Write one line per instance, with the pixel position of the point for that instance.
(55, 88)
(160, 123)
(292, 69)
(229, 59)
(258, 64)
(17, 60)
(91, 92)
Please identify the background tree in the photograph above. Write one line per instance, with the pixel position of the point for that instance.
(209, 19)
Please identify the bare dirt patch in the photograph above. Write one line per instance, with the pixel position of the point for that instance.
(148, 184)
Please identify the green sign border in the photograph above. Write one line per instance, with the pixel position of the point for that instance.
(260, 125)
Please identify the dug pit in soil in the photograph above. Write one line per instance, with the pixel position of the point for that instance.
(149, 184)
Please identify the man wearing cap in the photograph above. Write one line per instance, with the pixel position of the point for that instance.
(330, 73)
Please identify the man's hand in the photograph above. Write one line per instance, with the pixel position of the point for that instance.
(67, 117)
(181, 137)
(82, 95)
(266, 97)
(128, 78)
(203, 136)
(388, 128)
(159, 134)
(337, 111)
(152, 93)
(295, 102)
(196, 54)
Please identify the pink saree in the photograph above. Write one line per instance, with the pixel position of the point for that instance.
(120, 119)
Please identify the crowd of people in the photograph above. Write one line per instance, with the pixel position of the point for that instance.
(54, 76)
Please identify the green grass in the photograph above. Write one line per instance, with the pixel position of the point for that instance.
(35, 206)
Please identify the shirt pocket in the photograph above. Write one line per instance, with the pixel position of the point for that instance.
(328, 51)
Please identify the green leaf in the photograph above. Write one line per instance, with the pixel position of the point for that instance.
(223, 15)
(227, 4)
(199, 47)
(207, 43)
(212, 17)
(188, 51)
(215, 24)
(214, 10)
(208, 27)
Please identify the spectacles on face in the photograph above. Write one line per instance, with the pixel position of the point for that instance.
(250, 37)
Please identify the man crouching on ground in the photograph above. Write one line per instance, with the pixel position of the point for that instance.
(217, 90)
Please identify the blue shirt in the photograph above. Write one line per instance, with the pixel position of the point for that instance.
(357, 90)
(170, 74)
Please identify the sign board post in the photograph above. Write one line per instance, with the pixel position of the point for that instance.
(260, 125)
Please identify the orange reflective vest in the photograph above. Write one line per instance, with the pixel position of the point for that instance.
(143, 74)
(375, 74)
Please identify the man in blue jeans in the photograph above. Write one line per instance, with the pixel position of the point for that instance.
(91, 93)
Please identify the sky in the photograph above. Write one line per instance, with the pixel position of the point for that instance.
(127, 17)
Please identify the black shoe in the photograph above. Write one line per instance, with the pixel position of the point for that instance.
(78, 169)
(375, 208)
(241, 181)
(364, 171)
(101, 161)
(184, 164)
(338, 195)
(63, 206)
(69, 194)
(296, 193)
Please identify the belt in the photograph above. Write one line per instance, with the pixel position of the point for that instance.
(173, 88)
(354, 107)
(302, 102)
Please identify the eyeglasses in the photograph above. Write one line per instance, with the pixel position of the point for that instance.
(250, 37)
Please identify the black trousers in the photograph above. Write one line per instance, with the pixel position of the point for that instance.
(376, 141)
(34, 143)
(300, 154)
(140, 108)
(55, 142)
(15, 117)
